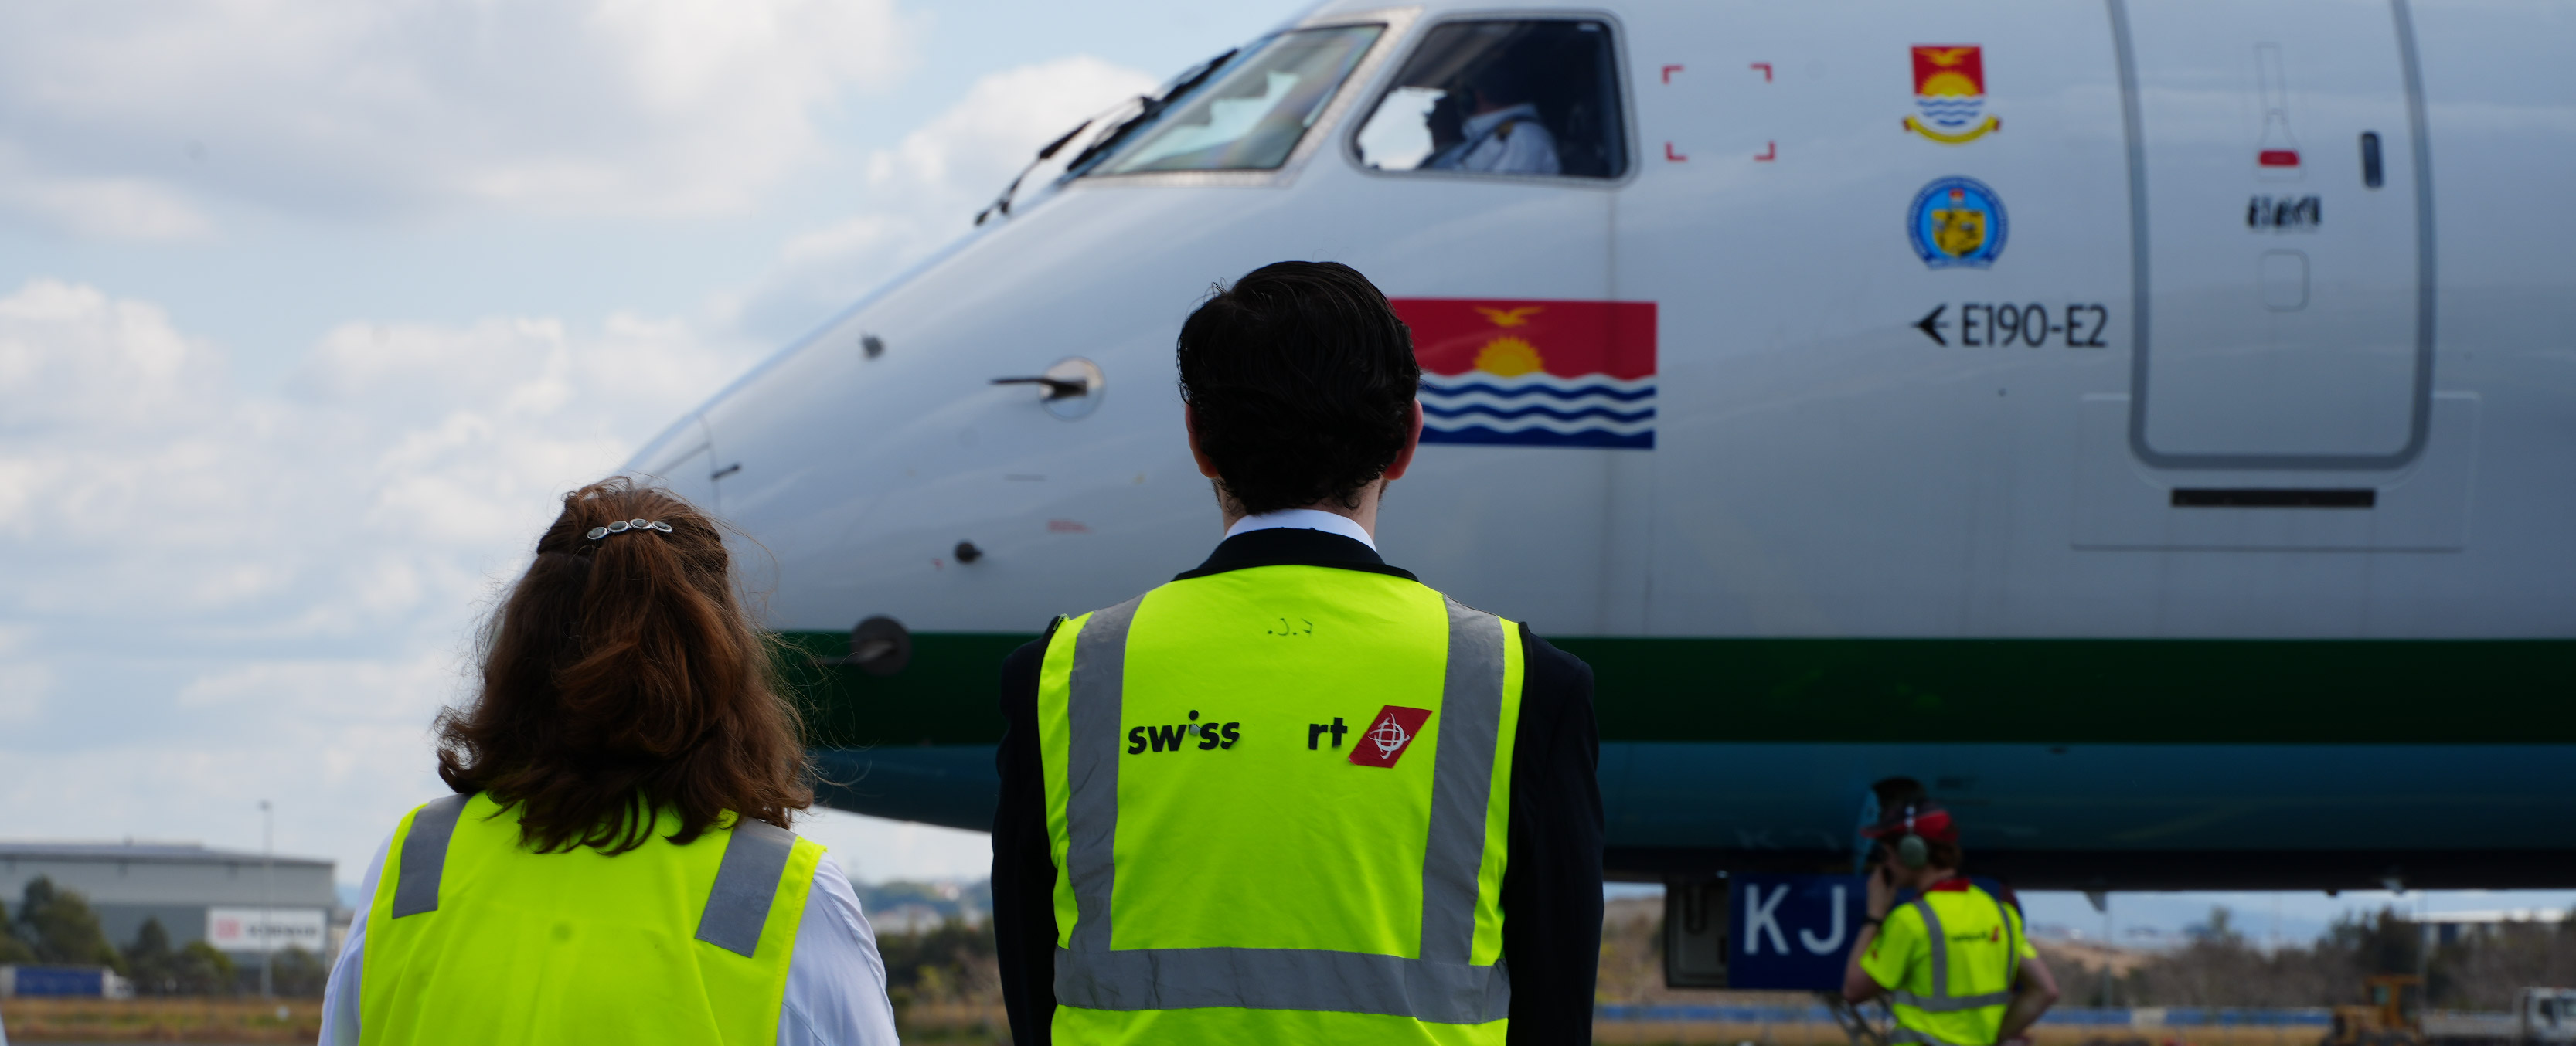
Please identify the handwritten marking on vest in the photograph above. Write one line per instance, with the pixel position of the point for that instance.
(1160, 738)
(1300, 627)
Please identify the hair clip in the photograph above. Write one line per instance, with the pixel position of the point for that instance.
(624, 525)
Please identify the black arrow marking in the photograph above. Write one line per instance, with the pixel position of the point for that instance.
(1931, 324)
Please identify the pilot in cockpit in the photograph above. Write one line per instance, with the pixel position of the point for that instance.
(1503, 132)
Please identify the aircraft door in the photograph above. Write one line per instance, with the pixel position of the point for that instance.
(2282, 234)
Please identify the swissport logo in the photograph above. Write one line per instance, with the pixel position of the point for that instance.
(1389, 735)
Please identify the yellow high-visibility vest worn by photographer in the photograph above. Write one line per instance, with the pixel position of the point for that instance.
(473, 937)
(614, 863)
(1237, 869)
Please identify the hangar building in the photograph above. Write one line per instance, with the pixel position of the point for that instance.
(199, 894)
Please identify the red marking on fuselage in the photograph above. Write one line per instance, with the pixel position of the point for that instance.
(1675, 157)
(2278, 158)
(1669, 71)
(1770, 152)
(1574, 339)
(1766, 70)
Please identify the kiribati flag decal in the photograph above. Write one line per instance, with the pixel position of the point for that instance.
(1535, 373)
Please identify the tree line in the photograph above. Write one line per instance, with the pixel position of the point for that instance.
(55, 926)
(2220, 967)
(952, 962)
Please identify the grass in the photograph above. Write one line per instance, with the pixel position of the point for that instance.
(1713, 1033)
(954, 1024)
(162, 1020)
(949, 1024)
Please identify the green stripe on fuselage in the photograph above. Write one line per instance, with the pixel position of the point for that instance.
(2413, 691)
(950, 693)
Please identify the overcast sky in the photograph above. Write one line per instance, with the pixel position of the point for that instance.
(309, 310)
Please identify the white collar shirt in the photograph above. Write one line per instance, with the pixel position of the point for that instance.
(1304, 519)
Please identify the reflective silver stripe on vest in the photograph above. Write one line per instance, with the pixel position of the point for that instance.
(424, 856)
(746, 883)
(1282, 979)
(1441, 987)
(1097, 695)
(1950, 1003)
(1471, 703)
(1941, 1001)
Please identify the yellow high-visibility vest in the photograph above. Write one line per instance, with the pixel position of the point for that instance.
(1277, 799)
(1949, 959)
(471, 937)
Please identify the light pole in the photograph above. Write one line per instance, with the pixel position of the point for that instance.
(2101, 901)
(267, 859)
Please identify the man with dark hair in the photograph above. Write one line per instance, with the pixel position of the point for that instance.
(1294, 795)
(1952, 960)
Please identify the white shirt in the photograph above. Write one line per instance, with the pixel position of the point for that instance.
(1305, 519)
(1525, 147)
(836, 982)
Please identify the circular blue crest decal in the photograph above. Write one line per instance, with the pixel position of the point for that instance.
(1957, 221)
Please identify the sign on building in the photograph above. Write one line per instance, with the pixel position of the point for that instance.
(245, 929)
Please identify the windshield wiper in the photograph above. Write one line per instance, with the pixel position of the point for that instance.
(1145, 113)
(1002, 204)
(1153, 107)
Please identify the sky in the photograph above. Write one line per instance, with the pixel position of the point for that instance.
(2266, 919)
(310, 310)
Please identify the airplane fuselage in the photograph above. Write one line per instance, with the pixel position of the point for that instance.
(2162, 442)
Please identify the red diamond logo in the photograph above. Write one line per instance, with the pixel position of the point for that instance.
(1389, 735)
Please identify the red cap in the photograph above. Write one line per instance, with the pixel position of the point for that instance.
(1923, 819)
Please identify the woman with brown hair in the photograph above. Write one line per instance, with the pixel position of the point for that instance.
(615, 865)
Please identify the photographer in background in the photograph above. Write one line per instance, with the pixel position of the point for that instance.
(1952, 959)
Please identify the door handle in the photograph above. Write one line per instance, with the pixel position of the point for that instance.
(1073, 387)
(1056, 388)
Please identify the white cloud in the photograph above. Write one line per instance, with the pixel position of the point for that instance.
(107, 207)
(925, 191)
(121, 118)
(215, 596)
(24, 686)
(70, 356)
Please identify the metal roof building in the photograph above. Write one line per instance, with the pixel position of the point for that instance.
(199, 894)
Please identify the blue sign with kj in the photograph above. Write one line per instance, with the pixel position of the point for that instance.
(1792, 932)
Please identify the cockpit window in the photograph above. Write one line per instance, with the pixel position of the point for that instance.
(1253, 115)
(1526, 97)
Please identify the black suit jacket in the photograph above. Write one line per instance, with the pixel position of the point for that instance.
(1551, 895)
